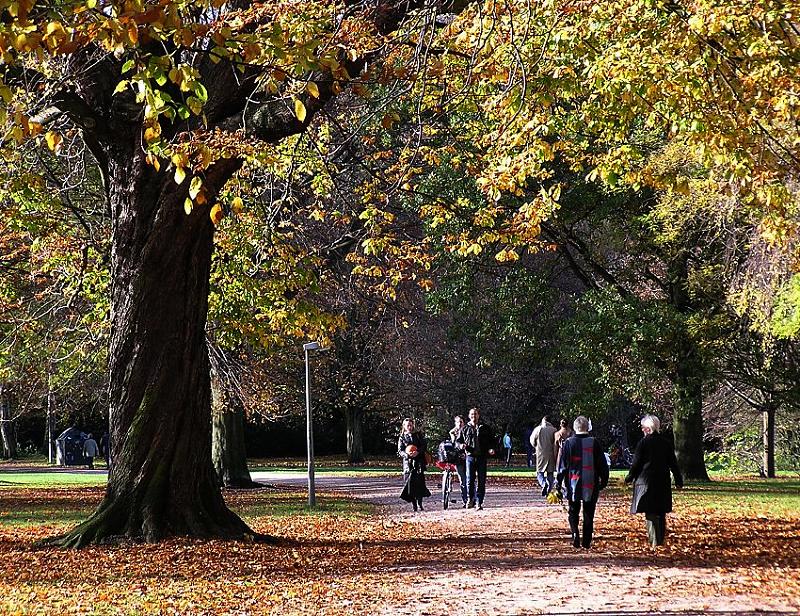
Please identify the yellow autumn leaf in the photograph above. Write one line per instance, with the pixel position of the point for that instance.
(216, 213)
(299, 110)
(312, 89)
(53, 139)
(195, 186)
(151, 133)
(238, 205)
(52, 28)
(188, 206)
(180, 175)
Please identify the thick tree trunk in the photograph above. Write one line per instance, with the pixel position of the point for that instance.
(688, 417)
(354, 418)
(162, 482)
(768, 415)
(227, 438)
(688, 380)
(7, 431)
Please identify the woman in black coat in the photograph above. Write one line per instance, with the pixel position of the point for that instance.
(652, 486)
(411, 447)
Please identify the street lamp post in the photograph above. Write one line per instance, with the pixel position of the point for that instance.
(312, 500)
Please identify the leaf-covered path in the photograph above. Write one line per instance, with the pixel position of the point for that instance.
(513, 557)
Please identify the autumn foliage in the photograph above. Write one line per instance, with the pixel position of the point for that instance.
(362, 562)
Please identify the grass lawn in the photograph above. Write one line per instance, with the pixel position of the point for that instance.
(50, 479)
(747, 495)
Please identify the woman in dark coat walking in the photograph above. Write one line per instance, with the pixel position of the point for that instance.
(411, 447)
(652, 489)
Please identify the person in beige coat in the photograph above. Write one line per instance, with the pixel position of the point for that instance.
(543, 441)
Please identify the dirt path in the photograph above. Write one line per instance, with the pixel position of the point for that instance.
(514, 557)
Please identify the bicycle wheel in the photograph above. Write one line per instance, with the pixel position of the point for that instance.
(447, 484)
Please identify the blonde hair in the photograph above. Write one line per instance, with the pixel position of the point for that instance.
(406, 422)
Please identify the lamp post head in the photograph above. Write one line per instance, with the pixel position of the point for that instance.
(311, 346)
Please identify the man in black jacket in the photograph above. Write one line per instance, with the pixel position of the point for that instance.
(479, 442)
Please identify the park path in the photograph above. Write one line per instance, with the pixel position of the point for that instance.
(516, 558)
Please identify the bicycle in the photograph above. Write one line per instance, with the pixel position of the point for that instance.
(448, 470)
(447, 455)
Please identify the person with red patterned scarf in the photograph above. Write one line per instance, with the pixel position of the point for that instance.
(582, 473)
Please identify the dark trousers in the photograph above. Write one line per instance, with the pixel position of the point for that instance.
(508, 455)
(476, 474)
(461, 469)
(656, 527)
(588, 520)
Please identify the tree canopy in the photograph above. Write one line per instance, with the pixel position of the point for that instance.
(639, 156)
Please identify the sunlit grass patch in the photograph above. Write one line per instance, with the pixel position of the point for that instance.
(256, 504)
(54, 479)
(743, 495)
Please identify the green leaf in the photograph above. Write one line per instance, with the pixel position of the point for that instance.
(200, 92)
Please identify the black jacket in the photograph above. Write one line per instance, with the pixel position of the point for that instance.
(652, 488)
(478, 439)
(418, 462)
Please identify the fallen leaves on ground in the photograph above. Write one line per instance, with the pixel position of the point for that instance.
(337, 564)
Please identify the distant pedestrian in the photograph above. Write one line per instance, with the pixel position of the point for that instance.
(90, 450)
(543, 440)
(652, 487)
(105, 448)
(480, 442)
(411, 447)
(507, 449)
(564, 432)
(457, 438)
(526, 441)
(583, 472)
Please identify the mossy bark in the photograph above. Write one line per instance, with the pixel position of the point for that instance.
(162, 482)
